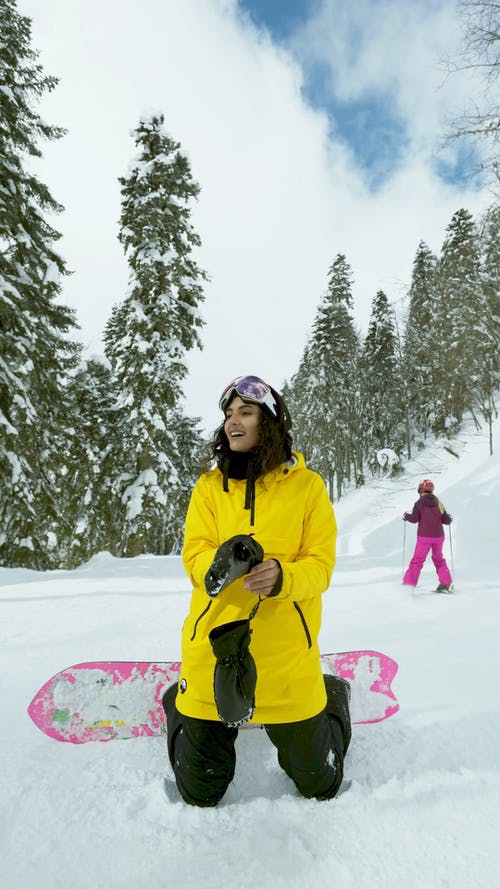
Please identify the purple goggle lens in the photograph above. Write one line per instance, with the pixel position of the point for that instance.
(251, 389)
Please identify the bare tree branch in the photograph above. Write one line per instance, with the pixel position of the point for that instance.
(480, 51)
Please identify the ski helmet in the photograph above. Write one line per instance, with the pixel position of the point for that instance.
(425, 487)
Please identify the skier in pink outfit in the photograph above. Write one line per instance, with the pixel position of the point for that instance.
(431, 515)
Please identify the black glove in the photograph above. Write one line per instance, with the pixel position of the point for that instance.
(233, 559)
(235, 674)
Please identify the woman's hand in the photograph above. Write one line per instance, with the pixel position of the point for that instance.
(262, 578)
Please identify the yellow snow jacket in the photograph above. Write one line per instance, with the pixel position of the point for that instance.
(295, 524)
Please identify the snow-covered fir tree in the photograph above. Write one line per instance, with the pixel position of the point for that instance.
(35, 353)
(380, 385)
(459, 329)
(349, 406)
(421, 350)
(296, 395)
(86, 492)
(325, 390)
(488, 381)
(147, 339)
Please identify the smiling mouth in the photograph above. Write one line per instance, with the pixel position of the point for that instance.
(236, 434)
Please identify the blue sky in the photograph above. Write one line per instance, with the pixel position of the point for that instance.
(370, 124)
(279, 16)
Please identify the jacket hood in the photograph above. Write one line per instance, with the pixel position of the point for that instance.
(429, 500)
(295, 462)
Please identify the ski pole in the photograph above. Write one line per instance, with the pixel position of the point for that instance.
(404, 544)
(451, 554)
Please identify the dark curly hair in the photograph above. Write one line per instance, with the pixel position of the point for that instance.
(275, 444)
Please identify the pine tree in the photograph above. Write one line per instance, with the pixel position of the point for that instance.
(326, 390)
(458, 327)
(297, 397)
(35, 354)
(86, 494)
(421, 347)
(380, 383)
(147, 339)
(488, 380)
(190, 449)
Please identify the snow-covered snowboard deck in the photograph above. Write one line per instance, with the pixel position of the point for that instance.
(103, 700)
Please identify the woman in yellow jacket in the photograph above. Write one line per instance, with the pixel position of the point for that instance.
(259, 548)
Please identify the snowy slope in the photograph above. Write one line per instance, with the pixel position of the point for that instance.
(424, 807)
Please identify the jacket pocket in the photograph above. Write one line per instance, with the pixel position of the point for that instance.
(304, 623)
(203, 613)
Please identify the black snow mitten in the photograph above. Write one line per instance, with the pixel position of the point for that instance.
(235, 674)
(233, 559)
(338, 694)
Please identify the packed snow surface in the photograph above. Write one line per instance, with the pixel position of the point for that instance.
(423, 810)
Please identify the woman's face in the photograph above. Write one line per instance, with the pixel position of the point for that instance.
(242, 425)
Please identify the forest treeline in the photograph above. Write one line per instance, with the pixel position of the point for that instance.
(355, 400)
(99, 454)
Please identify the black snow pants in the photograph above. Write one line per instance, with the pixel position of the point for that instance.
(310, 751)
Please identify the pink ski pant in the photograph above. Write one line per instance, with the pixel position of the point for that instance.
(424, 544)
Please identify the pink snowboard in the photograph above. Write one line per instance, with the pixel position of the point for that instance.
(102, 700)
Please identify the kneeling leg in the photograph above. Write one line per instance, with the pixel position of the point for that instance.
(312, 751)
(201, 753)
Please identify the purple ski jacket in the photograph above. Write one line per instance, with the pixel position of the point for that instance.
(429, 517)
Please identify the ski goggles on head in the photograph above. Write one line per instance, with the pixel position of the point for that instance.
(251, 389)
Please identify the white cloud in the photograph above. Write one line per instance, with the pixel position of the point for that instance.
(397, 48)
(279, 199)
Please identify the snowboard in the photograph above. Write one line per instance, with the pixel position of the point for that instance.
(106, 700)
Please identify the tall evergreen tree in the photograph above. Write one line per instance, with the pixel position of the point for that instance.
(297, 396)
(421, 349)
(459, 312)
(35, 354)
(86, 494)
(326, 389)
(488, 380)
(148, 337)
(380, 383)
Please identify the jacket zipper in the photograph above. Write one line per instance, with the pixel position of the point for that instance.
(304, 624)
(203, 613)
